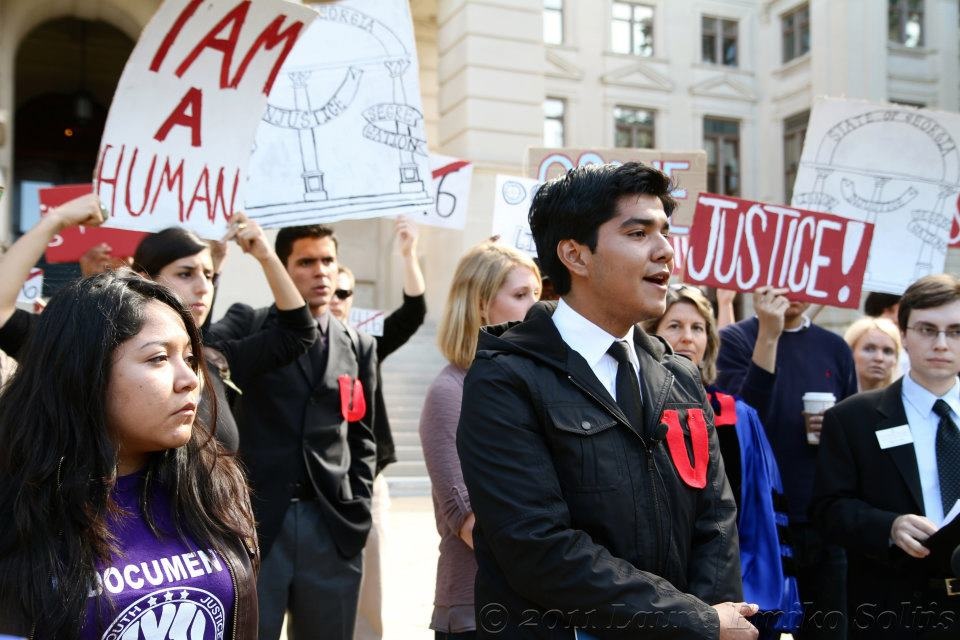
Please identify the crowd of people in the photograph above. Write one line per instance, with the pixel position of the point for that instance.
(623, 460)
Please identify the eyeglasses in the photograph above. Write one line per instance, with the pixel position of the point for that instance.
(343, 294)
(929, 333)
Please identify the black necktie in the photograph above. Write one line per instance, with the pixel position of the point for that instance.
(628, 387)
(948, 456)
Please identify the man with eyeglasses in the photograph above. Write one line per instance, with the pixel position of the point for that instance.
(888, 477)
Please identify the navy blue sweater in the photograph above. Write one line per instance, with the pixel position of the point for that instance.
(811, 359)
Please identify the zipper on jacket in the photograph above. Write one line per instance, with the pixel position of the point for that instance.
(236, 593)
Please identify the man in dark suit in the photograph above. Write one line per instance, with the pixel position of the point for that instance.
(306, 440)
(888, 475)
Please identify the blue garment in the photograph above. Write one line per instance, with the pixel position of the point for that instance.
(762, 555)
(811, 359)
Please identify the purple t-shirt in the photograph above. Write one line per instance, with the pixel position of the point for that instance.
(157, 588)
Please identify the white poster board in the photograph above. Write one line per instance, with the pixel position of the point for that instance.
(178, 135)
(511, 206)
(32, 290)
(895, 166)
(343, 134)
(370, 321)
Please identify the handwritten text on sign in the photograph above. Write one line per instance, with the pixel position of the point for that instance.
(742, 245)
(182, 122)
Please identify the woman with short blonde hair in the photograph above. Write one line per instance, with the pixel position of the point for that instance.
(876, 347)
(493, 284)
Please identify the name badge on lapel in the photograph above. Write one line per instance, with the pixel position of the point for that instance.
(353, 406)
(894, 436)
(694, 475)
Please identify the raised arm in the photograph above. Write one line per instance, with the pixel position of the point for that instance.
(251, 239)
(16, 263)
(407, 236)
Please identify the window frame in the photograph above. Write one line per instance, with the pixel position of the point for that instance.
(721, 169)
(903, 7)
(719, 30)
(790, 23)
(561, 119)
(793, 126)
(631, 22)
(560, 12)
(635, 128)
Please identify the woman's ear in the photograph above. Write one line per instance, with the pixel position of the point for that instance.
(575, 257)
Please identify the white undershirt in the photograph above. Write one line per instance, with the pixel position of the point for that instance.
(918, 405)
(592, 342)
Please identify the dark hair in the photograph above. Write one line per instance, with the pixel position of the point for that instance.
(288, 235)
(876, 303)
(573, 206)
(927, 293)
(59, 463)
(159, 249)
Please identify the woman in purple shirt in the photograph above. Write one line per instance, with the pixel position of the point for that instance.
(492, 284)
(122, 518)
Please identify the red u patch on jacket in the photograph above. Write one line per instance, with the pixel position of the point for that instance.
(353, 406)
(694, 475)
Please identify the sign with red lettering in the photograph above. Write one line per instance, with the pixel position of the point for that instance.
(687, 168)
(742, 245)
(181, 126)
(70, 244)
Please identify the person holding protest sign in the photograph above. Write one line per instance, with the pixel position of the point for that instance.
(586, 517)
(309, 446)
(771, 360)
(126, 515)
(492, 284)
(398, 328)
(15, 265)
(178, 259)
(765, 559)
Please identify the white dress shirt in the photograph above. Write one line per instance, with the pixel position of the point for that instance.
(592, 342)
(918, 405)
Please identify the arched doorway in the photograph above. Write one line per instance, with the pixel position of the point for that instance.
(66, 71)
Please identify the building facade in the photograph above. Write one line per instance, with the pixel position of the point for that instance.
(735, 77)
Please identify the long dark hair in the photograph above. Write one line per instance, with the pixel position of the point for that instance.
(58, 463)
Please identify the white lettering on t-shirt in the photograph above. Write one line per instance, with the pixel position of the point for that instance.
(172, 569)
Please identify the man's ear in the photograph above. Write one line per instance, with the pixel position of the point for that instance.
(575, 257)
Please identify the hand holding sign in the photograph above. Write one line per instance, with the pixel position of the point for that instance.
(249, 237)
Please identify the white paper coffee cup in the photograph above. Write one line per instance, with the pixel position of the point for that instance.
(817, 402)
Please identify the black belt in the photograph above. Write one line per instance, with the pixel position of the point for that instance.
(949, 587)
(302, 492)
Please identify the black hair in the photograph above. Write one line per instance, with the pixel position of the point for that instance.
(159, 249)
(876, 303)
(928, 292)
(288, 235)
(58, 460)
(574, 205)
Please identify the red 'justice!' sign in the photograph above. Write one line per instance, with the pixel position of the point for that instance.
(742, 245)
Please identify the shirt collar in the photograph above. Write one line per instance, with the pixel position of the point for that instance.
(323, 322)
(923, 399)
(805, 323)
(586, 338)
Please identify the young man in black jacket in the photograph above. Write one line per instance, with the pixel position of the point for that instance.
(588, 447)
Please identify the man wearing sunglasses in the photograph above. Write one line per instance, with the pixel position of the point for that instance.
(888, 477)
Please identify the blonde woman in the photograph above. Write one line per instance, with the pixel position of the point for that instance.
(493, 284)
(875, 343)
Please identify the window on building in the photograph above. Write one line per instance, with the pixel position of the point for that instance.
(631, 29)
(721, 139)
(905, 22)
(719, 41)
(633, 127)
(553, 21)
(794, 131)
(795, 27)
(554, 110)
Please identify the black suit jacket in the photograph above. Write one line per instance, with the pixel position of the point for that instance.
(289, 425)
(860, 489)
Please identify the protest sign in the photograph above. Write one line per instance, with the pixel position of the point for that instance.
(178, 136)
(742, 245)
(69, 244)
(32, 290)
(370, 321)
(688, 168)
(680, 239)
(893, 166)
(343, 133)
(511, 205)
